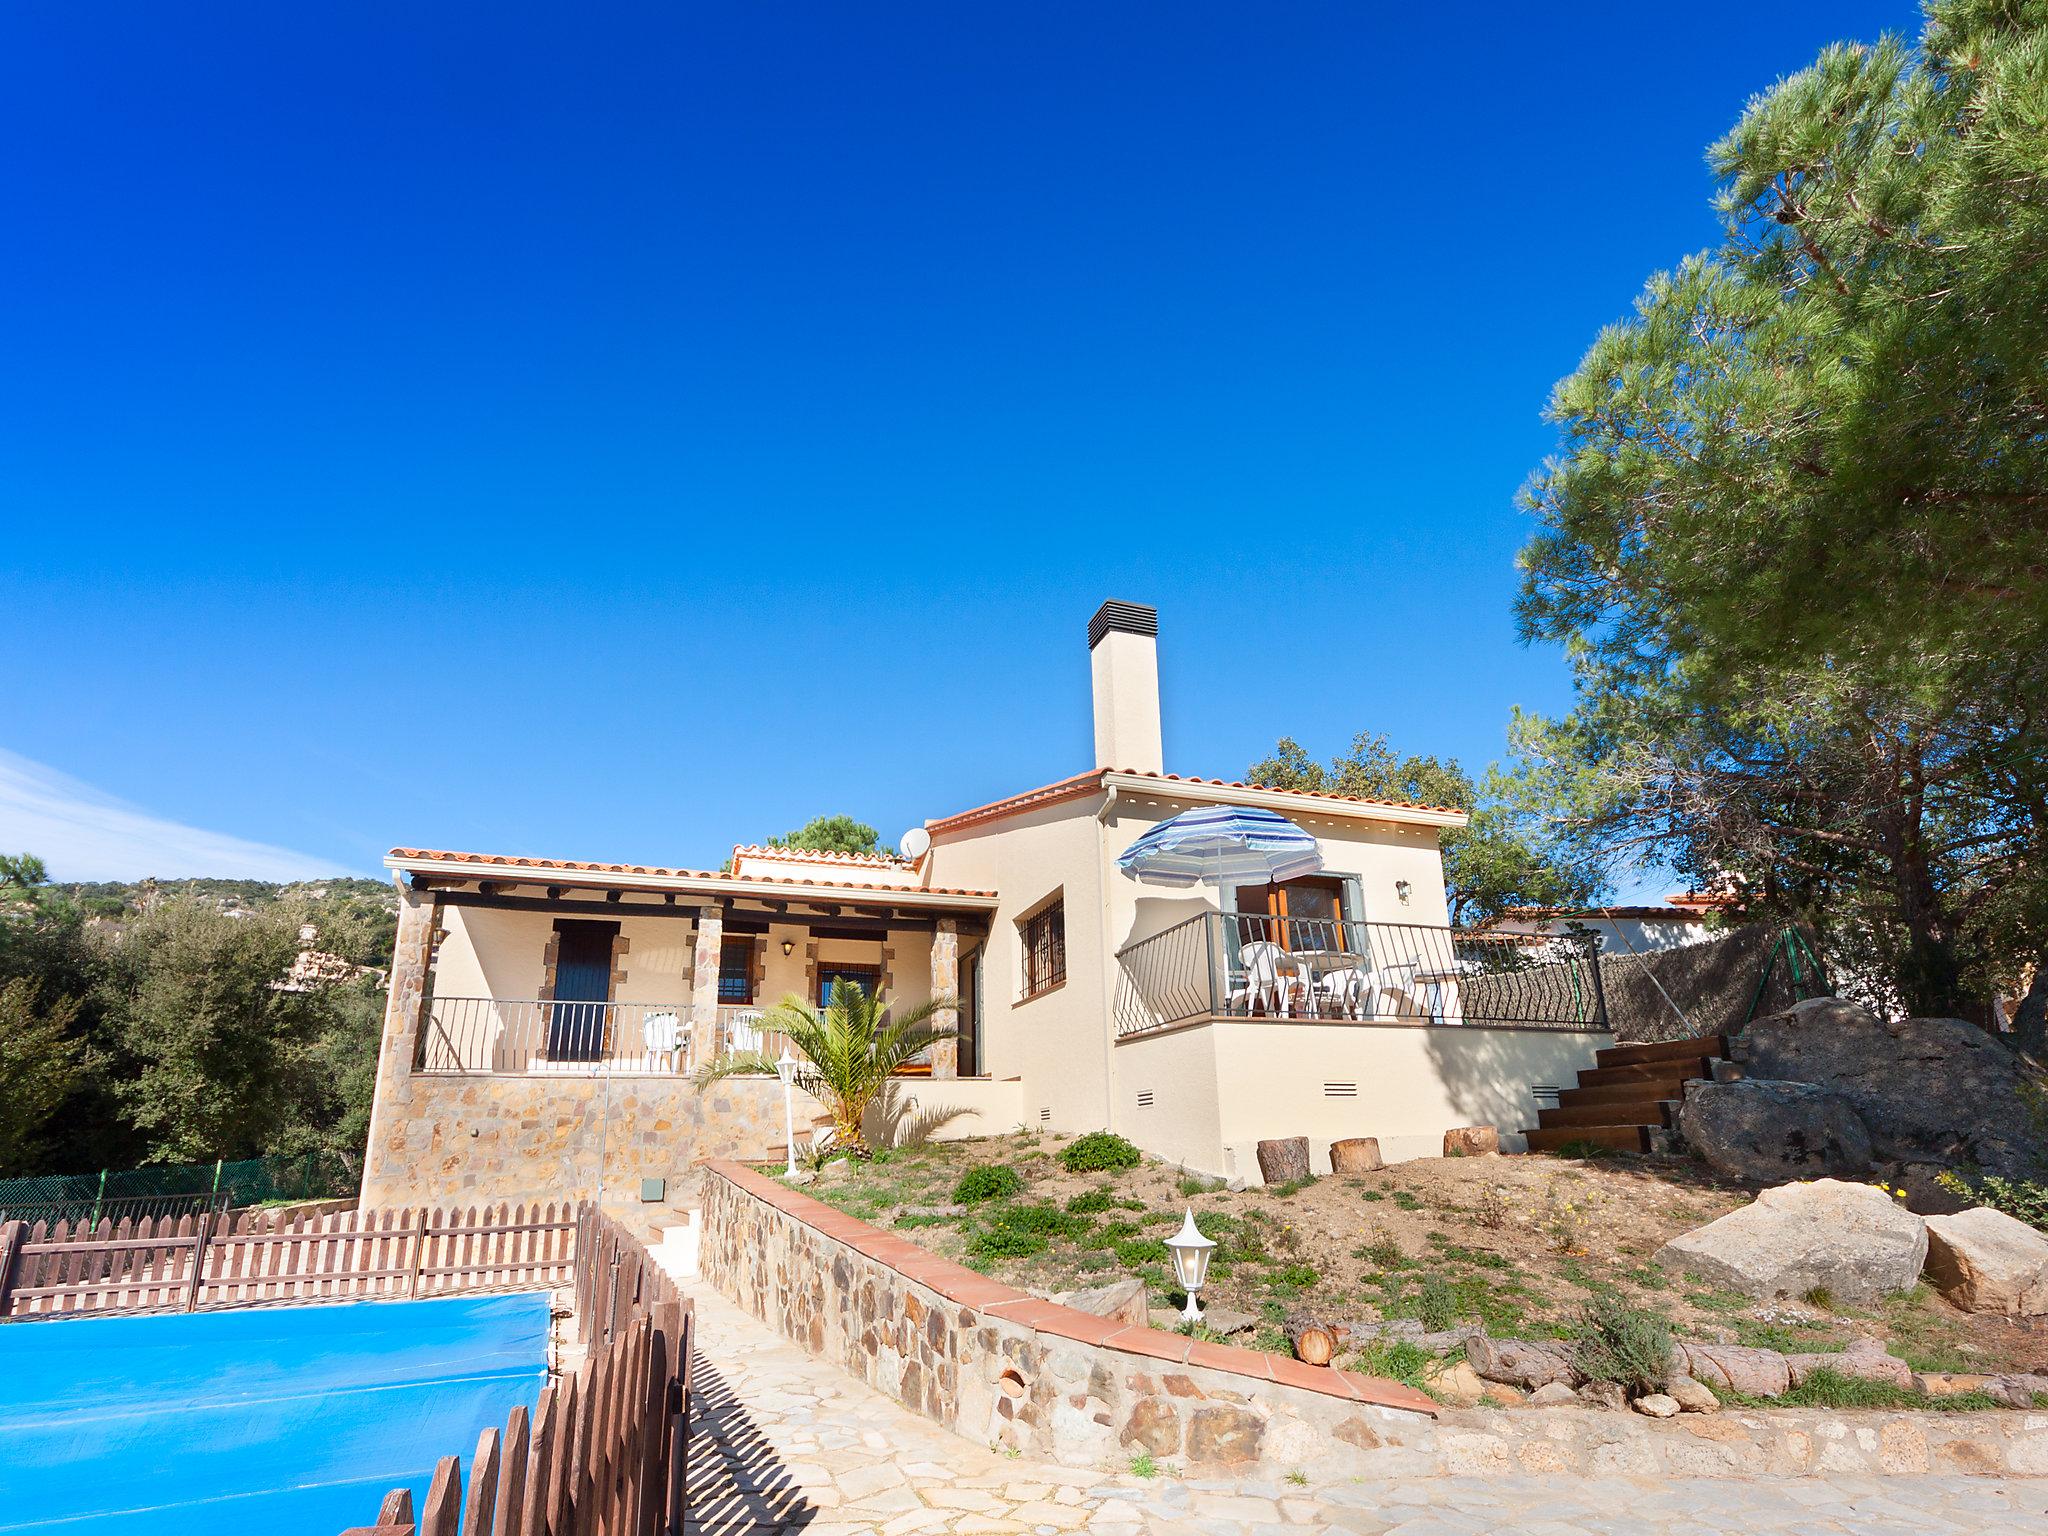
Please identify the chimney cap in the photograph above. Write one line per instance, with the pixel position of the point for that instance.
(1123, 618)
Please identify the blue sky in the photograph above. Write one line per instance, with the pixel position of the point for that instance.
(618, 431)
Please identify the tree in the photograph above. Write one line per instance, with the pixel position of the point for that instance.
(831, 834)
(1489, 864)
(40, 1064)
(216, 1060)
(849, 1051)
(1796, 537)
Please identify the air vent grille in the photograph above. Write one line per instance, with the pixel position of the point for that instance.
(1545, 1095)
(1340, 1090)
(1144, 1098)
(1046, 1115)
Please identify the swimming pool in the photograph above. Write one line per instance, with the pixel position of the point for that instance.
(279, 1419)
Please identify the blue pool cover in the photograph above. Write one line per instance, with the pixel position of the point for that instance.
(293, 1420)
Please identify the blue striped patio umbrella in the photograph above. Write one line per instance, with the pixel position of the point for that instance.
(1224, 845)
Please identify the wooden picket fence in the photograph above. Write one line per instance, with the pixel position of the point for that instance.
(606, 1452)
(251, 1258)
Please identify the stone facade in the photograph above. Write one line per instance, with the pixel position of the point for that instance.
(465, 1140)
(1003, 1368)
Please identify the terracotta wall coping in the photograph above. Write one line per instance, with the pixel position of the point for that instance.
(959, 1284)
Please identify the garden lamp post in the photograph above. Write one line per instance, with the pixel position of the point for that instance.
(1191, 1253)
(785, 1068)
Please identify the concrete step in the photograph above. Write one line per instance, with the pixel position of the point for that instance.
(1647, 1111)
(1663, 1050)
(1623, 1138)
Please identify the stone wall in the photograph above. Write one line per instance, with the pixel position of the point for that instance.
(467, 1139)
(999, 1366)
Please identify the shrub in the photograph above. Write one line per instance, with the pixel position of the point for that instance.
(2022, 1199)
(1004, 1242)
(1396, 1360)
(1300, 1277)
(1045, 1220)
(1436, 1303)
(1383, 1252)
(1089, 1201)
(1099, 1152)
(1625, 1344)
(987, 1181)
(1136, 1252)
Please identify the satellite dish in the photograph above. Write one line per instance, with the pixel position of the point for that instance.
(915, 844)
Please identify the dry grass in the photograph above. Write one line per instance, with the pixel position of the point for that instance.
(1519, 1243)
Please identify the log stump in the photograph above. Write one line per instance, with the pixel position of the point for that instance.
(1284, 1161)
(1315, 1340)
(1471, 1141)
(1356, 1154)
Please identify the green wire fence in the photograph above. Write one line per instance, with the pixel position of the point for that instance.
(173, 1189)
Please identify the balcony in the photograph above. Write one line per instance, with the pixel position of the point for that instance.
(1225, 965)
(532, 1036)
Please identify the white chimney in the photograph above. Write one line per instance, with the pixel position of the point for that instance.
(1123, 655)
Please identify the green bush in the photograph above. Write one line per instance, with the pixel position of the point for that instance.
(2022, 1199)
(1099, 1152)
(987, 1181)
(1136, 1252)
(1436, 1303)
(1625, 1344)
(1045, 1220)
(1089, 1201)
(1300, 1277)
(1396, 1360)
(1004, 1242)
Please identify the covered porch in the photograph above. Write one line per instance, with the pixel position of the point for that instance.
(575, 971)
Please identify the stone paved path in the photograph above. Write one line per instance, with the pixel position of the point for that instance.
(784, 1444)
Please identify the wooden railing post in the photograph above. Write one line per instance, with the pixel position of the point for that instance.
(419, 1252)
(12, 1235)
(199, 1241)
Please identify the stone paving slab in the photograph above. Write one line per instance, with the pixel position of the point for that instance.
(785, 1444)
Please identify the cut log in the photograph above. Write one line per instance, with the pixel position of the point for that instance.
(1471, 1141)
(1284, 1161)
(1356, 1154)
(1316, 1340)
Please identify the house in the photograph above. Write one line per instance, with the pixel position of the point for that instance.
(1683, 918)
(545, 1014)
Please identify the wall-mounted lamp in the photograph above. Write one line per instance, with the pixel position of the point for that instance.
(788, 946)
(1403, 890)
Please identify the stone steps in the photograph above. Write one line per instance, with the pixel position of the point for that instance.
(1629, 1100)
(1623, 1138)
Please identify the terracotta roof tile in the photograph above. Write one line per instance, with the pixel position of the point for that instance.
(520, 863)
(1089, 782)
(821, 856)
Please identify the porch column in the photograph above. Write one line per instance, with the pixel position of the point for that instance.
(704, 1041)
(946, 983)
(385, 1161)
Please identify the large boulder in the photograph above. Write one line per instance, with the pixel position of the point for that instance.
(1985, 1261)
(1848, 1239)
(1928, 1090)
(1766, 1132)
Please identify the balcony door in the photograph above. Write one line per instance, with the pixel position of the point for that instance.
(1304, 914)
(583, 986)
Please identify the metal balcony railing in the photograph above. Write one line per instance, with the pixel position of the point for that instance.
(1245, 965)
(532, 1036)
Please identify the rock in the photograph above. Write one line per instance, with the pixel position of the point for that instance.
(1938, 1091)
(1552, 1394)
(2012, 1391)
(1986, 1261)
(1865, 1359)
(1224, 1436)
(931, 1212)
(1153, 1427)
(1124, 1299)
(1521, 1362)
(1767, 1132)
(1691, 1396)
(1226, 1322)
(1850, 1239)
(1603, 1394)
(1657, 1406)
(1471, 1141)
(1454, 1383)
(1356, 1154)
(1736, 1368)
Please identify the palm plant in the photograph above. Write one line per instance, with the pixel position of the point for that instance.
(850, 1050)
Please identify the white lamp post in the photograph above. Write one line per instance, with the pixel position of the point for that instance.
(785, 1068)
(1190, 1252)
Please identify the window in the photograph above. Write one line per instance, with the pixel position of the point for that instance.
(867, 977)
(1045, 948)
(736, 971)
(1299, 914)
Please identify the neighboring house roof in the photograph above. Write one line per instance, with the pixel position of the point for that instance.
(1670, 914)
(818, 856)
(482, 866)
(1173, 784)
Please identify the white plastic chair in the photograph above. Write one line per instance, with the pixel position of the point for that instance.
(1396, 981)
(1345, 991)
(743, 1033)
(1271, 978)
(664, 1032)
